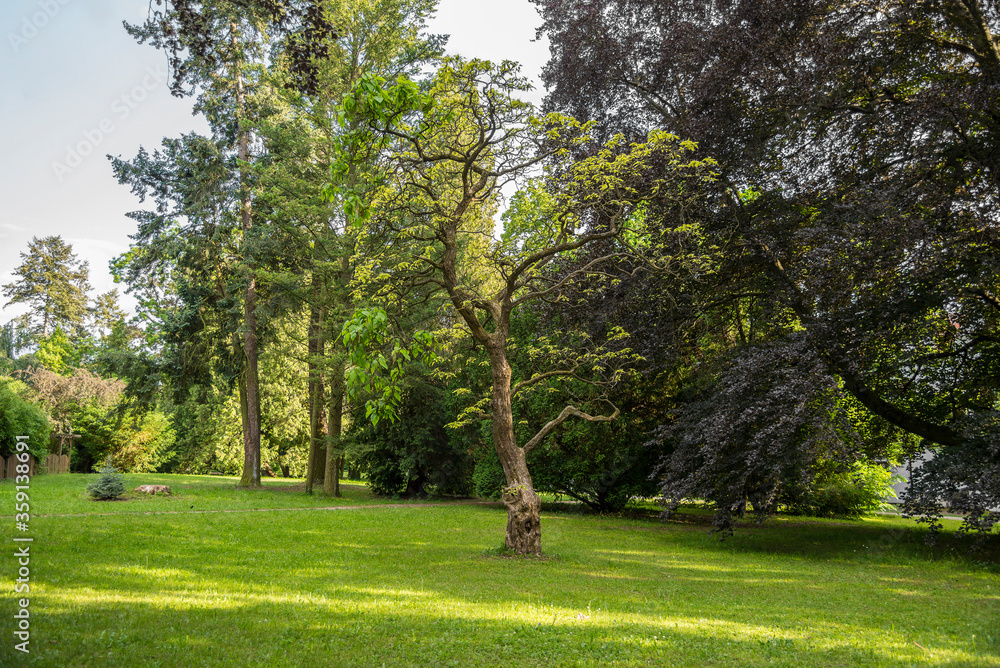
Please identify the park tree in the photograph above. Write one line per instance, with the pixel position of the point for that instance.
(856, 199)
(106, 313)
(14, 337)
(447, 154)
(64, 396)
(216, 50)
(184, 268)
(265, 74)
(20, 415)
(299, 130)
(53, 283)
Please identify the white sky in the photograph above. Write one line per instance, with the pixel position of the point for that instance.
(73, 82)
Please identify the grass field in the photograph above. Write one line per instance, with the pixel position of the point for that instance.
(278, 582)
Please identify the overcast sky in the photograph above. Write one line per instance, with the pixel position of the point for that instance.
(74, 87)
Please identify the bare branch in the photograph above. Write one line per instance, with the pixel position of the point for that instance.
(566, 413)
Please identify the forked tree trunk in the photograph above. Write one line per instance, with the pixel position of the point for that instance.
(524, 527)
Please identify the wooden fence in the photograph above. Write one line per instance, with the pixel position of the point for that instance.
(9, 466)
(57, 463)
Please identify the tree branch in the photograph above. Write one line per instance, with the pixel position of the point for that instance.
(562, 417)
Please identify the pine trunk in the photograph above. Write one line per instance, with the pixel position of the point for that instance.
(251, 433)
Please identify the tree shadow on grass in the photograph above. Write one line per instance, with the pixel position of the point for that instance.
(411, 588)
(409, 628)
(822, 539)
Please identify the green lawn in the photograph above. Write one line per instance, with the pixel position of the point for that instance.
(65, 494)
(124, 584)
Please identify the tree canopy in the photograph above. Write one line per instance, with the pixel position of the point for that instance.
(857, 148)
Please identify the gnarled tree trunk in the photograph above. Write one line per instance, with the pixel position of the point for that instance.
(524, 527)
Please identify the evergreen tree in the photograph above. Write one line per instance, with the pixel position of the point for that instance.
(53, 283)
(106, 313)
(299, 129)
(215, 50)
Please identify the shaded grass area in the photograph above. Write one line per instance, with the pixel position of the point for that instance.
(66, 494)
(418, 586)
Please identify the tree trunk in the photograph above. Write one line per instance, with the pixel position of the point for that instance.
(245, 420)
(317, 430)
(524, 527)
(415, 487)
(335, 425)
(251, 436)
(251, 433)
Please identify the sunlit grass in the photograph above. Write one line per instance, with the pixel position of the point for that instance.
(418, 586)
(66, 494)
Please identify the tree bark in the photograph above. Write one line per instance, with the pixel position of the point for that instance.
(524, 527)
(251, 433)
(251, 436)
(317, 428)
(316, 351)
(335, 424)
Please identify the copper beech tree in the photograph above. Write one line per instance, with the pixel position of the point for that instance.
(858, 149)
(443, 156)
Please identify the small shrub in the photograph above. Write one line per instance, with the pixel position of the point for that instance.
(110, 485)
(860, 490)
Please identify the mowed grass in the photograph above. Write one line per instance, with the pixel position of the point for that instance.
(66, 494)
(382, 584)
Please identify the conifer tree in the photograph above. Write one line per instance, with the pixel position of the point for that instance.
(53, 283)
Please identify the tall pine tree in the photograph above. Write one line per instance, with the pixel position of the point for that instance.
(53, 283)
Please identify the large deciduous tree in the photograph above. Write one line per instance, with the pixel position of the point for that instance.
(299, 130)
(448, 153)
(858, 148)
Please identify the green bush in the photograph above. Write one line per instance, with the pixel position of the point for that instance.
(132, 442)
(21, 417)
(860, 490)
(110, 485)
(488, 477)
(415, 455)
